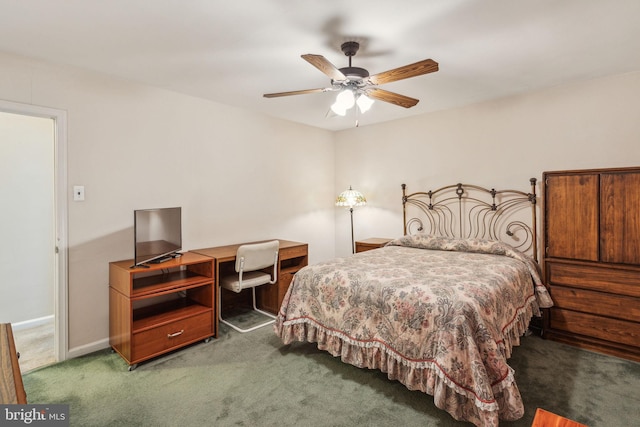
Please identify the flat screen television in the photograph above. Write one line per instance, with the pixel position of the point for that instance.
(157, 234)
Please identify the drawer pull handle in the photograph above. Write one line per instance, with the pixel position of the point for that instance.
(175, 334)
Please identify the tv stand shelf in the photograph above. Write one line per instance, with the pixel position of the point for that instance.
(161, 307)
(165, 283)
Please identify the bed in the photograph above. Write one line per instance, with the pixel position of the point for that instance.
(438, 309)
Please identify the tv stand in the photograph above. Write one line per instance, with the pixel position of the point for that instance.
(157, 308)
(162, 259)
(158, 260)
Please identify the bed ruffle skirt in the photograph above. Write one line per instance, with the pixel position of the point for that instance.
(439, 315)
(462, 404)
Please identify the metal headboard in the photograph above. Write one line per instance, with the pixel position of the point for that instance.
(470, 211)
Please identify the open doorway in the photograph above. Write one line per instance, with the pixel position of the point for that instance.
(33, 261)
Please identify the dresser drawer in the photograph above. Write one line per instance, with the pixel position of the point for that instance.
(175, 334)
(604, 328)
(599, 303)
(605, 279)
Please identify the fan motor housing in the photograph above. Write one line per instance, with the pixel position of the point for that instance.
(354, 72)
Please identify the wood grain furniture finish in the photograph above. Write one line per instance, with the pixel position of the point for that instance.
(592, 259)
(11, 386)
(544, 418)
(161, 308)
(372, 243)
(292, 256)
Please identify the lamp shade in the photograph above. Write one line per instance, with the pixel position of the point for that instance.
(364, 103)
(336, 108)
(351, 198)
(344, 101)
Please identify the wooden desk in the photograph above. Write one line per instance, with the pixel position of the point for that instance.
(292, 256)
(11, 387)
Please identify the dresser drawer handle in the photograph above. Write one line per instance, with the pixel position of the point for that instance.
(175, 334)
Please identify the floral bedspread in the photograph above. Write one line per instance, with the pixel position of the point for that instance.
(439, 315)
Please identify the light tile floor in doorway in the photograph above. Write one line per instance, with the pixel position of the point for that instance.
(35, 345)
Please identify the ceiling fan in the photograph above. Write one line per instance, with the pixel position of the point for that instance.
(356, 83)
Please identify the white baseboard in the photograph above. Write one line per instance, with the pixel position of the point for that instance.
(73, 352)
(88, 348)
(31, 323)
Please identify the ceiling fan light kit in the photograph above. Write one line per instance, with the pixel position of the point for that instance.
(347, 99)
(356, 86)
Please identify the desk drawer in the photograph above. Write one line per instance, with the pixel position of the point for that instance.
(293, 252)
(157, 340)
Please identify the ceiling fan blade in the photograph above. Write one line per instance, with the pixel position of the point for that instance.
(296, 92)
(323, 64)
(412, 70)
(394, 98)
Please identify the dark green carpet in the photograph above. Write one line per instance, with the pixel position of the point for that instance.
(253, 380)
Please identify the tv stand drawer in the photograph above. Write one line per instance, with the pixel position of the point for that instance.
(161, 339)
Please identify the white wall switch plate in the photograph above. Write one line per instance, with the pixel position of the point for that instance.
(78, 193)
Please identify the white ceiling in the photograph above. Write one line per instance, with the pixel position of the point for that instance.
(233, 52)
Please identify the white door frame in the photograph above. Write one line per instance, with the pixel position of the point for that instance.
(61, 283)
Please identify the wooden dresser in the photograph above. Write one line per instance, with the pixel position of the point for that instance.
(592, 259)
(11, 386)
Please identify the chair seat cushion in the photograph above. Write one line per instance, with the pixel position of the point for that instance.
(250, 279)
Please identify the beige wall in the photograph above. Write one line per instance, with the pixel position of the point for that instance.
(501, 143)
(238, 176)
(243, 176)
